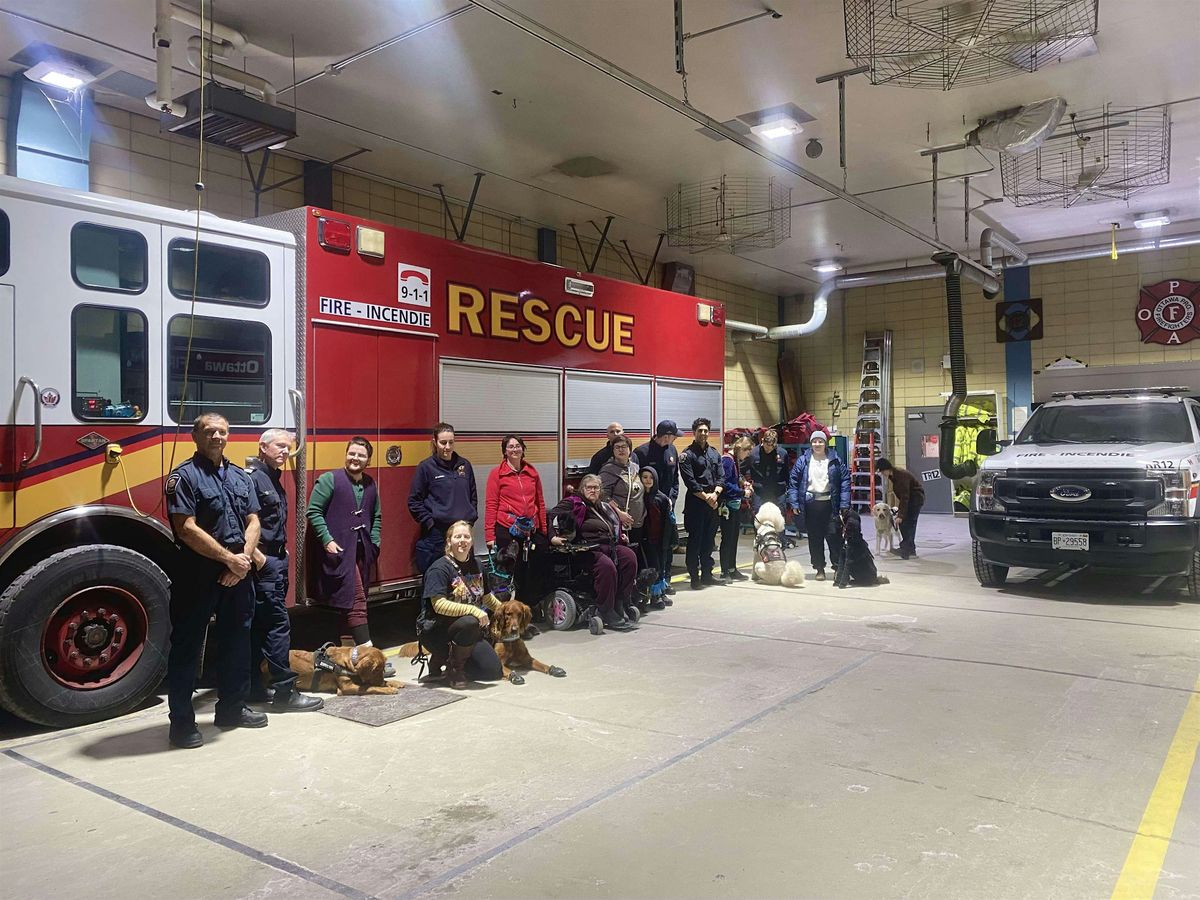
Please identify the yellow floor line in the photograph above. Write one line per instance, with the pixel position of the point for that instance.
(1139, 875)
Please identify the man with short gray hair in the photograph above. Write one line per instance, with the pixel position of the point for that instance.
(271, 629)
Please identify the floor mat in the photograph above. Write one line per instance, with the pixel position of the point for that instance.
(383, 710)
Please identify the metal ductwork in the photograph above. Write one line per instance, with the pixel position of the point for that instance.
(958, 372)
(988, 239)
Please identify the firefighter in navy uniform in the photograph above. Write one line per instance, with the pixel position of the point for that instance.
(271, 629)
(214, 515)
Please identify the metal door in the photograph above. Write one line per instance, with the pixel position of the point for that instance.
(921, 443)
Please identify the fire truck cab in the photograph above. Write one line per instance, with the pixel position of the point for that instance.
(120, 322)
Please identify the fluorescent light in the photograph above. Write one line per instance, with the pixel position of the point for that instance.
(60, 75)
(1151, 220)
(777, 128)
(826, 268)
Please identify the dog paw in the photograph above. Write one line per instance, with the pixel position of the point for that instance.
(557, 672)
(514, 678)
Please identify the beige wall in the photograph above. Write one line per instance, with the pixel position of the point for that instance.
(131, 159)
(1089, 314)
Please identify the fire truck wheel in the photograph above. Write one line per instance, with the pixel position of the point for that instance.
(83, 635)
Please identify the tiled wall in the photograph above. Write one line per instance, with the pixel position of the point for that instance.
(131, 159)
(1088, 309)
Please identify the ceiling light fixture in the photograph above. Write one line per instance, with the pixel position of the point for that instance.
(827, 268)
(1151, 220)
(60, 75)
(774, 129)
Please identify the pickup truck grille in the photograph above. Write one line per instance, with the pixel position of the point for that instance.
(1118, 494)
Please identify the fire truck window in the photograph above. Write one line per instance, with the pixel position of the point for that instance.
(108, 259)
(226, 274)
(228, 369)
(5, 254)
(110, 379)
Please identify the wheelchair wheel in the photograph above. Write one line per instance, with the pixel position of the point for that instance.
(595, 625)
(633, 613)
(561, 611)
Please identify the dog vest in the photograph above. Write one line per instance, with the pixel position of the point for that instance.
(769, 547)
(322, 663)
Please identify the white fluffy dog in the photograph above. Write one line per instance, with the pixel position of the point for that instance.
(885, 526)
(772, 565)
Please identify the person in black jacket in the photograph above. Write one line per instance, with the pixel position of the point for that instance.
(768, 472)
(660, 454)
(605, 453)
(910, 497)
(700, 468)
(443, 492)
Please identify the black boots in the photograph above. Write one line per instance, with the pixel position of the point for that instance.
(456, 666)
(294, 701)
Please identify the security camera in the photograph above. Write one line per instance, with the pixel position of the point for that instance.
(813, 148)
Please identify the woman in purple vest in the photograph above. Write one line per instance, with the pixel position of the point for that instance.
(346, 519)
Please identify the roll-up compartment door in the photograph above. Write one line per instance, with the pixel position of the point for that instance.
(486, 402)
(683, 402)
(594, 401)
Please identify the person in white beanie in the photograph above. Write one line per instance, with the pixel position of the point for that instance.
(818, 488)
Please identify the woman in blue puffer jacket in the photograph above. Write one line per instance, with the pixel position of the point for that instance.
(818, 488)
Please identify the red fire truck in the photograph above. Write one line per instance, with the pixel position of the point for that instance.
(120, 321)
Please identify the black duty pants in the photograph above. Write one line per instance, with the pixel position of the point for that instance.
(531, 580)
(822, 527)
(731, 527)
(271, 629)
(908, 527)
(465, 631)
(700, 520)
(195, 596)
(430, 548)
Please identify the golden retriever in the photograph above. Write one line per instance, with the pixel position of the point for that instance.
(357, 673)
(508, 626)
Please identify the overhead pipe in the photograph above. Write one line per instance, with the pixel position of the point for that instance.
(162, 100)
(198, 46)
(989, 238)
(951, 266)
(989, 283)
(210, 29)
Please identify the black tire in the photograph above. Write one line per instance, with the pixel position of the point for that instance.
(27, 609)
(988, 574)
(633, 613)
(1193, 578)
(561, 611)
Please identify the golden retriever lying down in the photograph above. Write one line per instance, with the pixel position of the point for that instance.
(358, 670)
(505, 636)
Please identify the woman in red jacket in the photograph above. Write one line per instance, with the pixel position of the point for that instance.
(515, 509)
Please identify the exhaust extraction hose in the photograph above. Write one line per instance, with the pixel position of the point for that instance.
(958, 373)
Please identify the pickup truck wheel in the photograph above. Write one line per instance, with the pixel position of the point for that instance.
(992, 575)
(1193, 578)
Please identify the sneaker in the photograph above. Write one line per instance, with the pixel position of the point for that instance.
(668, 601)
(617, 623)
(820, 575)
(185, 738)
(735, 575)
(389, 671)
(658, 603)
(670, 588)
(294, 701)
(243, 718)
(697, 584)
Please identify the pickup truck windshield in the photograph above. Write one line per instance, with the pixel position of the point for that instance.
(1109, 423)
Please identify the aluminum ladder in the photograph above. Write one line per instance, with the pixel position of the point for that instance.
(870, 426)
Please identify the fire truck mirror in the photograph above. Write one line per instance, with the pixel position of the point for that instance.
(394, 455)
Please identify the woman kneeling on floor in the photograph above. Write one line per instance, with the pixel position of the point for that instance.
(454, 613)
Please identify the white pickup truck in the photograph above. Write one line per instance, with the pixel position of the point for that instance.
(1100, 478)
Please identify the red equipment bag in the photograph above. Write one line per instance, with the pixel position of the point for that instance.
(799, 429)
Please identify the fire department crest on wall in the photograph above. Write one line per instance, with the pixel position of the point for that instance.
(1166, 312)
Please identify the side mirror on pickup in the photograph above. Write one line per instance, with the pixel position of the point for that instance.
(986, 443)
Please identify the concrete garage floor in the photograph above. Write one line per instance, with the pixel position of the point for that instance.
(923, 739)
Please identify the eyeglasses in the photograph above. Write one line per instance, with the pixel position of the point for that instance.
(592, 487)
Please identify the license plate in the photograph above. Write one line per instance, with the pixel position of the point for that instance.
(1069, 540)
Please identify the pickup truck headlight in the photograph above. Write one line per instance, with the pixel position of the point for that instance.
(1175, 495)
(985, 491)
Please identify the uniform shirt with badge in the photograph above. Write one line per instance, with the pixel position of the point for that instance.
(218, 497)
(273, 506)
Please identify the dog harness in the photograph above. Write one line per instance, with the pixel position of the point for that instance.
(323, 663)
(769, 547)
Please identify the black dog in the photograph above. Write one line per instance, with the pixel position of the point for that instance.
(505, 565)
(858, 565)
